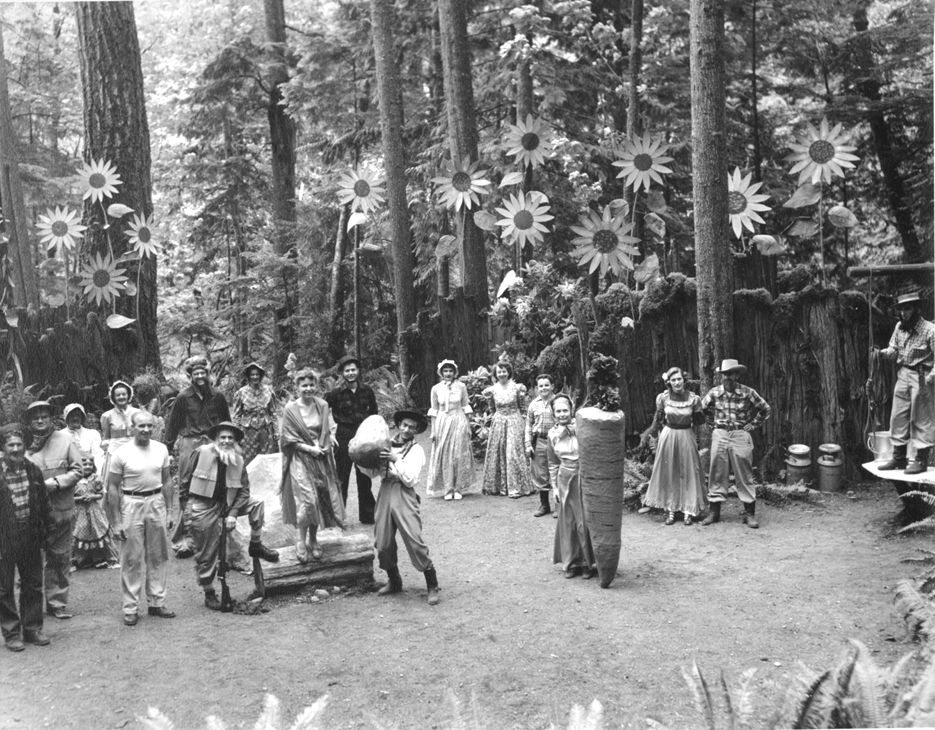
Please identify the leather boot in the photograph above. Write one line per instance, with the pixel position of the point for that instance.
(394, 585)
(749, 510)
(714, 514)
(544, 508)
(431, 582)
(897, 462)
(921, 464)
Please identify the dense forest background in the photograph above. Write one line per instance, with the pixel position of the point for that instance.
(255, 119)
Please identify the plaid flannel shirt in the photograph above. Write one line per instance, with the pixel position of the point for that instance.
(539, 419)
(724, 409)
(915, 347)
(17, 481)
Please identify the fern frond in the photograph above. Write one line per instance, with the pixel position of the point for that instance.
(310, 717)
(590, 719)
(725, 693)
(155, 720)
(919, 703)
(927, 522)
(838, 705)
(811, 711)
(269, 718)
(928, 557)
(457, 722)
(894, 679)
(698, 686)
(917, 610)
(872, 684)
(926, 497)
(656, 725)
(743, 698)
(213, 722)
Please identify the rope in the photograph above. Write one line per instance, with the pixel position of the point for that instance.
(875, 387)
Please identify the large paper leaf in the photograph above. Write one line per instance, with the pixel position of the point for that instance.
(618, 206)
(118, 321)
(511, 178)
(768, 246)
(804, 228)
(447, 246)
(485, 221)
(539, 197)
(118, 210)
(12, 317)
(841, 217)
(656, 201)
(627, 323)
(806, 194)
(647, 269)
(509, 279)
(655, 224)
(356, 219)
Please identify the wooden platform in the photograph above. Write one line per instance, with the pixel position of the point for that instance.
(347, 557)
(896, 475)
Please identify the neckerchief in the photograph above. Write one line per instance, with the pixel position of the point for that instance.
(38, 442)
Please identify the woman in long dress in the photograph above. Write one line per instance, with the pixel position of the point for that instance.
(676, 484)
(310, 490)
(254, 410)
(451, 468)
(117, 423)
(506, 468)
(572, 540)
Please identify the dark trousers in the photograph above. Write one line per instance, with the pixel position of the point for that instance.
(25, 555)
(365, 500)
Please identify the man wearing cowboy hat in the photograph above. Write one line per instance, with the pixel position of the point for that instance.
(734, 410)
(60, 462)
(351, 402)
(196, 409)
(912, 419)
(397, 507)
(218, 489)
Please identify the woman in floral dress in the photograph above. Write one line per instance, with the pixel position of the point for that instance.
(506, 468)
(451, 469)
(255, 412)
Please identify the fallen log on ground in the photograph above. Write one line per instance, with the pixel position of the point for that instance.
(347, 557)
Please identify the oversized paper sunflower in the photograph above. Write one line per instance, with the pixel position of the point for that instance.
(461, 184)
(743, 202)
(101, 279)
(530, 142)
(141, 236)
(821, 154)
(643, 160)
(59, 228)
(362, 189)
(99, 180)
(604, 240)
(523, 218)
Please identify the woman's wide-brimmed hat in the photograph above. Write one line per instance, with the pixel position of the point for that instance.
(731, 366)
(254, 366)
(120, 384)
(225, 426)
(422, 421)
(447, 363)
(71, 407)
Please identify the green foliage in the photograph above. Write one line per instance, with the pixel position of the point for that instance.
(603, 391)
(391, 393)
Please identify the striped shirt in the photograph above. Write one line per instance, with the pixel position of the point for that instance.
(17, 481)
(539, 419)
(914, 347)
(724, 409)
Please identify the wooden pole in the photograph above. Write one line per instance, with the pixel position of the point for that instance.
(893, 269)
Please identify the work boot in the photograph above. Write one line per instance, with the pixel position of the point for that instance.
(543, 504)
(431, 582)
(36, 637)
(714, 514)
(749, 510)
(897, 462)
(259, 550)
(212, 601)
(920, 465)
(394, 585)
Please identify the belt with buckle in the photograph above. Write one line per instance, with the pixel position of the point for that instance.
(148, 493)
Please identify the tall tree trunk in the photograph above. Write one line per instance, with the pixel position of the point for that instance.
(19, 249)
(634, 114)
(391, 122)
(282, 140)
(713, 262)
(116, 130)
(335, 344)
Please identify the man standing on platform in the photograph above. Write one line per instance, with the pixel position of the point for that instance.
(139, 488)
(912, 419)
(734, 410)
(60, 462)
(351, 402)
(197, 408)
(539, 420)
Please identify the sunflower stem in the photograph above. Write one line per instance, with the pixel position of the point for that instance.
(821, 231)
(67, 304)
(139, 273)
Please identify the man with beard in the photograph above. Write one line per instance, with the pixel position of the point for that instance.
(539, 420)
(397, 506)
(912, 419)
(351, 402)
(734, 410)
(24, 523)
(196, 409)
(218, 489)
(60, 463)
(138, 489)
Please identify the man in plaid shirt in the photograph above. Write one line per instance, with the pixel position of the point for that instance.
(912, 419)
(539, 420)
(734, 410)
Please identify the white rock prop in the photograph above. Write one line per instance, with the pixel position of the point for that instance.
(372, 437)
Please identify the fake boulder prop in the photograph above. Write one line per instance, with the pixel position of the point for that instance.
(601, 457)
(372, 437)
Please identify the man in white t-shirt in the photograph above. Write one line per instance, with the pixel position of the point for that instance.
(139, 487)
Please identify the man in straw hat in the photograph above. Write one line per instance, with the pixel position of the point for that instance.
(60, 462)
(734, 410)
(912, 419)
(397, 507)
(218, 489)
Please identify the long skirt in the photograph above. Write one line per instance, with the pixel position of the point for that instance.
(93, 538)
(317, 492)
(676, 484)
(572, 540)
(258, 441)
(451, 468)
(506, 468)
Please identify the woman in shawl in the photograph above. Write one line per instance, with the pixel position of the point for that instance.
(310, 491)
(117, 423)
(254, 411)
(572, 540)
(451, 469)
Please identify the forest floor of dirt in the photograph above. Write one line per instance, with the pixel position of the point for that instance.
(512, 640)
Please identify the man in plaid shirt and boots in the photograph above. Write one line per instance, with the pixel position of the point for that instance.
(734, 410)
(539, 420)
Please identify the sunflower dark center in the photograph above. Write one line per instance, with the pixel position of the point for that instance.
(736, 202)
(361, 188)
(523, 220)
(530, 141)
(643, 162)
(97, 180)
(144, 235)
(59, 229)
(461, 182)
(101, 278)
(605, 241)
(821, 151)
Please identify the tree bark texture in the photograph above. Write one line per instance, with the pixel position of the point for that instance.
(634, 120)
(391, 122)
(336, 347)
(116, 130)
(713, 260)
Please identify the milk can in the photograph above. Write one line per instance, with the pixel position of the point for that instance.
(830, 468)
(798, 464)
(880, 444)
